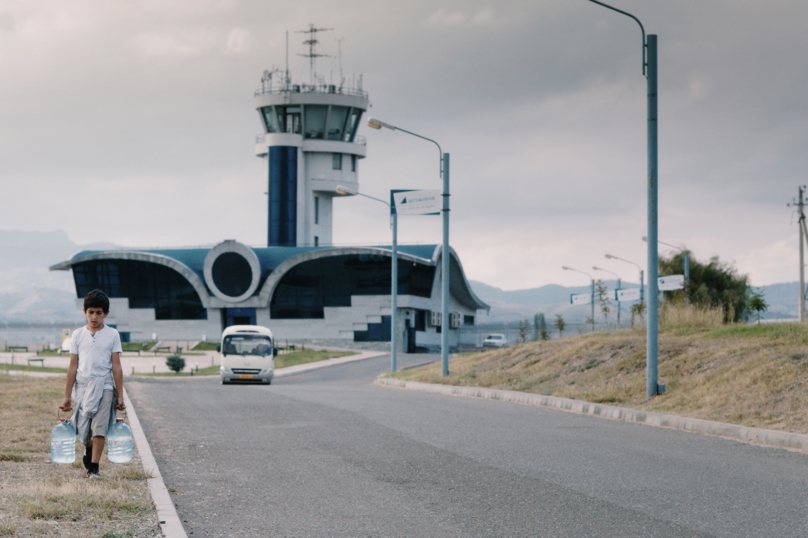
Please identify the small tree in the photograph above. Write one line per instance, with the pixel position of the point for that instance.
(560, 324)
(175, 363)
(524, 326)
(637, 309)
(602, 294)
(756, 303)
(540, 328)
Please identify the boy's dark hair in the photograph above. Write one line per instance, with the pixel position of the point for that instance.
(97, 299)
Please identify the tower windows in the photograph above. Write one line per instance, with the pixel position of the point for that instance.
(316, 210)
(336, 161)
(315, 121)
(353, 122)
(353, 163)
(270, 119)
(288, 119)
(336, 122)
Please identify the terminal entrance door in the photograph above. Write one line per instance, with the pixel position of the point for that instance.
(237, 316)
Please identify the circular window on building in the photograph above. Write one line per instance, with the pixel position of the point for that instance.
(232, 274)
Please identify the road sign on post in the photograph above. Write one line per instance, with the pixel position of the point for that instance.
(426, 202)
(627, 294)
(671, 282)
(581, 298)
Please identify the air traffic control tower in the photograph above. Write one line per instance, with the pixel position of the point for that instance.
(309, 146)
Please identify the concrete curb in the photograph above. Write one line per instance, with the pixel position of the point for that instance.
(166, 511)
(791, 441)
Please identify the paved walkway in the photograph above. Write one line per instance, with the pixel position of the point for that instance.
(130, 361)
(149, 363)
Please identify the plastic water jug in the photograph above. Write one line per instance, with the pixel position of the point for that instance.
(119, 443)
(63, 442)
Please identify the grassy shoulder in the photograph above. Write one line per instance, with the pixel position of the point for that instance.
(306, 356)
(25, 367)
(38, 497)
(753, 375)
(281, 361)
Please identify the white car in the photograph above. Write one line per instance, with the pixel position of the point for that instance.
(495, 340)
(248, 355)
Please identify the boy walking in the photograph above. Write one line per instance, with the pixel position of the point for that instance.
(94, 379)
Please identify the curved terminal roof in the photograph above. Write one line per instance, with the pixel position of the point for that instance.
(190, 262)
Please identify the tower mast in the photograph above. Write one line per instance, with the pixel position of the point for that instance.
(312, 43)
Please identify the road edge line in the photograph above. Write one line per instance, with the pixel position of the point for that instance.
(772, 438)
(166, 511)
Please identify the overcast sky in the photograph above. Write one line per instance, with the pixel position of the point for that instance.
(133, 122)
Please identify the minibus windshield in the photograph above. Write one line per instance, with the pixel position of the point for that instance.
(247, 344)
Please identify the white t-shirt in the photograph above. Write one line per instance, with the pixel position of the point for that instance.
(95, 351)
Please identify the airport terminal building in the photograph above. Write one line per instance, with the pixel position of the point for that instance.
(299, 285)
(298, 292)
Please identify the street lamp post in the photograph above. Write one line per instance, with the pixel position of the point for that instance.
(649, 66)
(592, 300)
(642, 284)
(393, 277)
(686, 255)
(618, 287)
(444, 170)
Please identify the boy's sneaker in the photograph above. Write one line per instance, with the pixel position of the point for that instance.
(92, 470)
(88, 458)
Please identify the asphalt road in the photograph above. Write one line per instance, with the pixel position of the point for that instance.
(327, 454)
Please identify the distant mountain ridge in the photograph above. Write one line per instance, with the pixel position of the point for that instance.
(29, 292)
(552, 299)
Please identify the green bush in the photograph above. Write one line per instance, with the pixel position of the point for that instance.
(175, 363)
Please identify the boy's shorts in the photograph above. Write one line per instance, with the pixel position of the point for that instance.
(100, 422)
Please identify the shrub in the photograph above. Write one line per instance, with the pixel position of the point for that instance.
(674, 316)
(175, 363)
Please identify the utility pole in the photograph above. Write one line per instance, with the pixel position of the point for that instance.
(800, 203)
(802, 257)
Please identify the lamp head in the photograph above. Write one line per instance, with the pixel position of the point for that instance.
(597, 268)
(345, 191)
(564, 267)
(644, 238)
(373, 123)
(609, 256)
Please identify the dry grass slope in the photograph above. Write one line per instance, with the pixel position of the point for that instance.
(753, 375)
(41, 498)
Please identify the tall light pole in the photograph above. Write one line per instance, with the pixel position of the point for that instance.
(618, 287)
(649, 68)
(444, 171)
(686, 255)
(393, 277)
(592, 300)
(642, 284)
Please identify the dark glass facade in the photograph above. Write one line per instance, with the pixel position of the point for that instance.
(309, 287)
(232, 274)
(282, 196)
(146, 285)
(238, 316)
(377, 332)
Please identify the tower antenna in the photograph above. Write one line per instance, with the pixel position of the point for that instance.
(341, 78)
(286, 79)
(312, 43)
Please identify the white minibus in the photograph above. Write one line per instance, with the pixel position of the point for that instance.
(247, 355)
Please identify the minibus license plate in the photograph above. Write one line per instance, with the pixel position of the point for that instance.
(245, 377)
